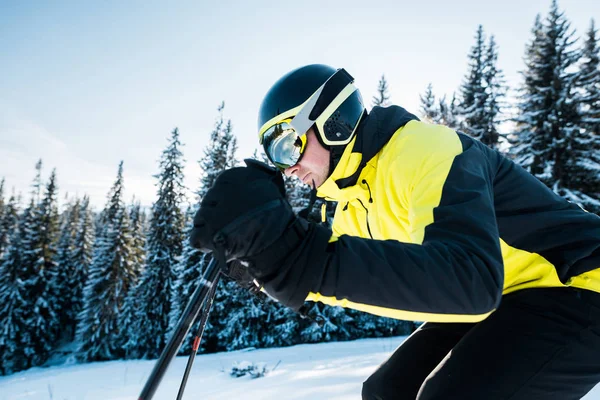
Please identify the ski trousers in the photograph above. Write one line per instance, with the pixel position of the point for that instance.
(541, 343)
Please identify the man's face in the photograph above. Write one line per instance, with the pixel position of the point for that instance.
(314, 164)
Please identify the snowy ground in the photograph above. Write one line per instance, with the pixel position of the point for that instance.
(332, 371)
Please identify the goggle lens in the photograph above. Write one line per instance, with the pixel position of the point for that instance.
(283, 145)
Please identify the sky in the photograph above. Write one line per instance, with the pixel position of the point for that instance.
(86, 84)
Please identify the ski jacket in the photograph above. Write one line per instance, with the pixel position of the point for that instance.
(432, 225)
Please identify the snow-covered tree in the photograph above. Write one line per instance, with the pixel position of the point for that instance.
(218, 153)
(2, 206)
(580, 181)
(382, 99)
(588, 82)
(81, 260)
(165, 244)
(550, 140)
(495, 90)
(128, 317)
(60, 281)
(111, 276)
(27, 310)
(37, 182)
(429, 109)
(472, 90)
(45, 323)
(448, 112)
(8, 222)
(15, 304)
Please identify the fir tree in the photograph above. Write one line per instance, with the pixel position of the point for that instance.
(448, 112)
(218, 153)
(81, 260)
(429, 110)
(382, 99)
(8, 222)
(111, 276)
(37, 182)
(15, 305)
(588, 82)
(127, 318)
(549, 141)
(580, 181)
(27, 313)
(495, 90)
(165, 241)
(45, 323)
(2, 206)
(61, 279)
(473, 94)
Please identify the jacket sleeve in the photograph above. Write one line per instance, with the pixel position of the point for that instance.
(454, 263)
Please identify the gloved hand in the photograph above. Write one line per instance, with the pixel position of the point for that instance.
(246, 214)
(236, 210)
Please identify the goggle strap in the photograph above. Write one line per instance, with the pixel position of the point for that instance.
(330, 91)
(320, 100)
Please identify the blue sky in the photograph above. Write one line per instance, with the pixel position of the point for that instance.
(86, 84)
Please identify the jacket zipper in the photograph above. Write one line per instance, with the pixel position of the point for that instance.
(367, 212)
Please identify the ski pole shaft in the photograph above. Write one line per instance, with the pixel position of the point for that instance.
(183, 326)
(203, 318)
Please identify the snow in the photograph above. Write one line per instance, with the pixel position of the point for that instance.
(333, 371)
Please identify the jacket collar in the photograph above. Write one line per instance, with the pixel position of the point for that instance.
(373, 133)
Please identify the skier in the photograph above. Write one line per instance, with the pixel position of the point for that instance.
(431, 226)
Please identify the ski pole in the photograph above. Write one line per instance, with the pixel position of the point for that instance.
(209, 279)
(198, 337)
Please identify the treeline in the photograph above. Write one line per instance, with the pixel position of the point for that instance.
(113, 284)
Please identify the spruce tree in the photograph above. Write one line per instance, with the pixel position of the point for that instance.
(448, 112)
(37, 182)
(548, 137)
(45, 323)
(429, 109)
(382, 99)
(127, 318)
(110, 278)
(495, 90)
(165, 241)
(61, 279)
(8, 222)
(473, 94)
(27, 314)
(81, 260)
(588, 83)
(580, 181)
(2, 207)
(15, 304)
(217, 153)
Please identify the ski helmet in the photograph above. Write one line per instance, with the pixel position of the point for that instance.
(314, 95)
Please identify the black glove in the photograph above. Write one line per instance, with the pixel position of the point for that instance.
(236, 210)
(245, 214)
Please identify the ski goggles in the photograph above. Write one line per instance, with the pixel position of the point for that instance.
(283, 145)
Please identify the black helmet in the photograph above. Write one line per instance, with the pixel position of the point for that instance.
(313, 95)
